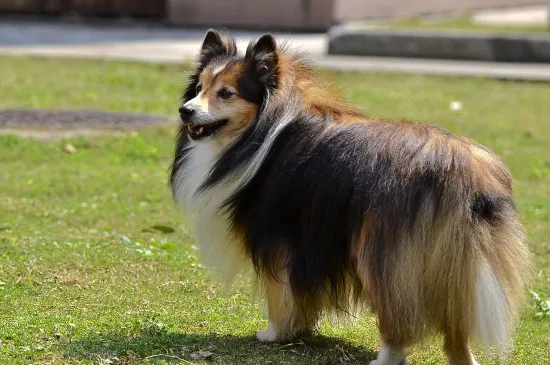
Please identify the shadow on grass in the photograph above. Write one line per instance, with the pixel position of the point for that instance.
(169, 347)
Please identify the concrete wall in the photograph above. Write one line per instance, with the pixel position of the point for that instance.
(364, 9)
(315, 14)
(405, 8)
(296, 14)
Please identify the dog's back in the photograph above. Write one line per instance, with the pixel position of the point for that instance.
(423, 221)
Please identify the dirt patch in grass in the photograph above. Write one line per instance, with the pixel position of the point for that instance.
(60, 124)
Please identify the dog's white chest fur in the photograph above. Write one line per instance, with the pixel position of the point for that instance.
(220, 251)
(193, 173)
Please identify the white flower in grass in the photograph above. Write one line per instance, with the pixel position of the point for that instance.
(455, 106)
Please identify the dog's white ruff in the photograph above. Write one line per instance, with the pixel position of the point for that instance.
(218, 249)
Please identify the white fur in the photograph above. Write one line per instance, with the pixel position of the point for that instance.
(218, 248)
(202, 113)
(219, 69)
(218, 251)
(192, 174)
(491, 317)
(268, 335)
(254, 165)
(390, 356)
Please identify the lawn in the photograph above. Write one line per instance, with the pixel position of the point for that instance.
(465, 24)
(84, 279)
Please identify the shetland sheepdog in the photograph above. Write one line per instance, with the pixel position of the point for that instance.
(336, 210)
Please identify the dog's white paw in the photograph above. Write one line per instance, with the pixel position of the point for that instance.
(268, 335)
(389, 356)
(379, 362)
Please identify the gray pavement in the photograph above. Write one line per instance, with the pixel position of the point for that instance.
(153, 43)
(132, 42)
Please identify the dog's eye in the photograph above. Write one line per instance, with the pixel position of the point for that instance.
(225, 93)
(199, 88)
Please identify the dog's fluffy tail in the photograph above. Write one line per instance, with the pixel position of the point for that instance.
(500, 279)
(493, 315)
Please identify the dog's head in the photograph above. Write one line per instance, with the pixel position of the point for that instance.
(227, 90)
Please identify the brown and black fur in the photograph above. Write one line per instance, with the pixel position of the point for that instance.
(347, 210)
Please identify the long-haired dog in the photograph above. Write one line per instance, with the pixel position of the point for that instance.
(334, 209)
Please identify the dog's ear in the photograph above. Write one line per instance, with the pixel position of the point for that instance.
(216, 44)
(263, 59)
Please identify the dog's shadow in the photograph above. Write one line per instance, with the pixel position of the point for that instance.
(170, 347)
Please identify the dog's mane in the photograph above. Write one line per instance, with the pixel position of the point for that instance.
(300, 93)
(298, 77)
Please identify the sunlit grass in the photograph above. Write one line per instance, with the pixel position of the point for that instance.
(82, 279)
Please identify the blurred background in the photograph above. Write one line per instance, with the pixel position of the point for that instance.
(171, 30)
(295, 14)
(96, 264)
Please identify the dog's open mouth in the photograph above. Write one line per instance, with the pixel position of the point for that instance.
(197, 131)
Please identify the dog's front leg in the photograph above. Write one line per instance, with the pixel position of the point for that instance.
(286, 319)
(279, 305)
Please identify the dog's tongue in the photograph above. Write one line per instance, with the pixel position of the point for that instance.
(195, 130)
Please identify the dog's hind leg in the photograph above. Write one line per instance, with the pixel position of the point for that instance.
(457, 350)
(395, 300)
(394, 342)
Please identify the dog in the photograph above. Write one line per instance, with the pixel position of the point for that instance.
(336, 210)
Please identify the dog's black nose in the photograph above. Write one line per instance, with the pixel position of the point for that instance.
(186, 111)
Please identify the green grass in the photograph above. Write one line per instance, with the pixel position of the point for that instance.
(81, 282)
(464, 24)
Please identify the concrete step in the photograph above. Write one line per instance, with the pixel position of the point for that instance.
(439, 44)
(537, 15)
